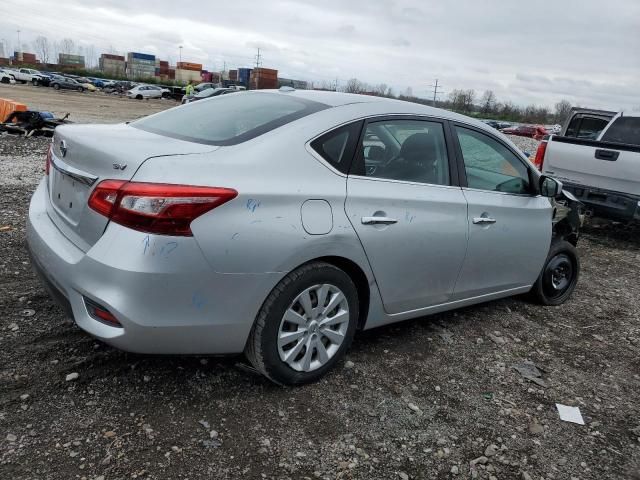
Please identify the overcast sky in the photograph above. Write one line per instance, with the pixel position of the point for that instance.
(587, 51)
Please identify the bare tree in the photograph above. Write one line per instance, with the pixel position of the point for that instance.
(42, 47)
(354, 86)
(67, 46)
(563, 108)
(488, 102)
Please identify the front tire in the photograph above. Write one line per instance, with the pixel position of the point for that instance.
(56, 86)
(559, 275)
(305, 325)
(80, 89)
(138, 97)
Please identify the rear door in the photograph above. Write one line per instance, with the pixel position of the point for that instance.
(509, 223)
(410, 215)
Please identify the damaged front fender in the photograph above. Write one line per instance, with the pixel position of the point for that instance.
(568, 217)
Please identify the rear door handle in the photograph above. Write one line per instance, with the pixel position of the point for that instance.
(483, 220)
(609, 155)
(378, 220)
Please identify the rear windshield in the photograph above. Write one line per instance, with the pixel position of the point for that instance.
(229, 119)
(624, 130)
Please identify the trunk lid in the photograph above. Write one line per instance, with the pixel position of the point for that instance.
(83, 156)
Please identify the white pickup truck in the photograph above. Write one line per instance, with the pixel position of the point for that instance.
(25, 75)
(603, 172)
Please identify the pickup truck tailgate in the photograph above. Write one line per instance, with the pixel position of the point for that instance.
(594, 164)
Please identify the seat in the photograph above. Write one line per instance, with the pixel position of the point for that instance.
(416, 160)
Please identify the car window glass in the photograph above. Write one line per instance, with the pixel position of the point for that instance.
(490, 165)
(407, 150)
(338, 146)
(590, 128)
(624, 130)
(246, 116)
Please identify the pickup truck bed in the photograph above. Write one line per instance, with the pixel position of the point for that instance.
(605, 176)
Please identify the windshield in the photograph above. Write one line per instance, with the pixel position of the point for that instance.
(246, 115)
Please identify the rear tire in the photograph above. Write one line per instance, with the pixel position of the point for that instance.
(56, 86)
(316, 305)
(80, 89)
(559, 275)
(138, 97)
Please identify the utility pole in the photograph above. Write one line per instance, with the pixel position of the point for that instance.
(19, 45)
(258, 63)
(180, 54)
(435, 91)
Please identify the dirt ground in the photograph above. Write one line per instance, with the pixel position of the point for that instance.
(433, 398)
(86, 107)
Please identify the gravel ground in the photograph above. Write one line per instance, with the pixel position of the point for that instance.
(433, 398)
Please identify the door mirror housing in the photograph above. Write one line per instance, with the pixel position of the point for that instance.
(550, 187)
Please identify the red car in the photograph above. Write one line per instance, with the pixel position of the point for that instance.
(531, 131)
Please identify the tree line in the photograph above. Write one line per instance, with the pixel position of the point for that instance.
(467, 102)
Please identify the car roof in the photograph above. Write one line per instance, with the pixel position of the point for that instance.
(393, 106)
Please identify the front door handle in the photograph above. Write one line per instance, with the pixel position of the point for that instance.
(378, 220)
(483, 220)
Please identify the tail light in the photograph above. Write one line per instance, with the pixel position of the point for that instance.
(160, 208)
(47, 165)
(538, 161)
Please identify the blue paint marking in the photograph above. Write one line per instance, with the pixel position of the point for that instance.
(198, 301)
(145, 240)
(171, 246)
(252, 204)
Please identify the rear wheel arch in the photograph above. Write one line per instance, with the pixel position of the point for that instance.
(358, 277)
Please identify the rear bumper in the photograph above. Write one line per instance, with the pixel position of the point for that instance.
(606, 203)
(161, 289)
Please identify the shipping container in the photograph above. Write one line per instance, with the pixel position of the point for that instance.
(164, 63)
(71, 60)
(189, 66)
(142, 56)
(183, 75)
(111, 56)
(233, 75)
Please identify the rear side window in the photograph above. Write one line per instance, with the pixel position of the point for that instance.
(229, 119)
(586, 127)
(338, 146)
(624, 130)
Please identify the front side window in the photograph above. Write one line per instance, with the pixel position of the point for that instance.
(490, 165)
(406, 150)
(624, 130)
(245, 115)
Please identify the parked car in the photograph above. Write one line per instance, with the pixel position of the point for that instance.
(67, 83)
(24, 75)
(207, 93)
(603, 172)
(531, 131)
(278, 223)
(44, 80)
(6, 76)
(140, 92)
(100, 82)
(493, 124)
(86, 83)
(197, 89)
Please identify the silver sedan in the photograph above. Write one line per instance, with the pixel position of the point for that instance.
(277, 223)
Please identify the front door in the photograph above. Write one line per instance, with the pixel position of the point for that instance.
(509, 224)
(410, 216)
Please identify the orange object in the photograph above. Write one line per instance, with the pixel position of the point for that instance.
(7, 107)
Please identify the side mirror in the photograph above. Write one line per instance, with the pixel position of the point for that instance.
(550, 187)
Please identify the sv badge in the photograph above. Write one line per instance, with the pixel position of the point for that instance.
(119, 166)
